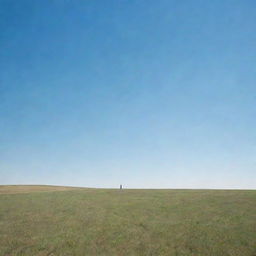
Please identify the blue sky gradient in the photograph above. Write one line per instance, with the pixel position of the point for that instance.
(150, 94)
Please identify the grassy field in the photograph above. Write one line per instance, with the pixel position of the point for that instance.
(33, 188)
(69, 221)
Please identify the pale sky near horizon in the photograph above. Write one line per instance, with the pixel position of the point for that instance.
(148, 94)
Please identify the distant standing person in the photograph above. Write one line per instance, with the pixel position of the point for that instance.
(121, 187)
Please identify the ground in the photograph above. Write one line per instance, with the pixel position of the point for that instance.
(66, 221)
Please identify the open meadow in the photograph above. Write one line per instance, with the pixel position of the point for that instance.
(63, 221)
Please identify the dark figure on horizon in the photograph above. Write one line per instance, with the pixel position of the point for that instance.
(121, 187)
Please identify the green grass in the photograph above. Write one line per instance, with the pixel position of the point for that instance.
(128, 222)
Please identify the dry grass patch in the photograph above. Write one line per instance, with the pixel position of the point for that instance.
(16, 189)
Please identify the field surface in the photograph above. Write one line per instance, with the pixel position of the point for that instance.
(49, 221)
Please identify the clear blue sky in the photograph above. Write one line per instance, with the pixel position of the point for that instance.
(157, 94)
